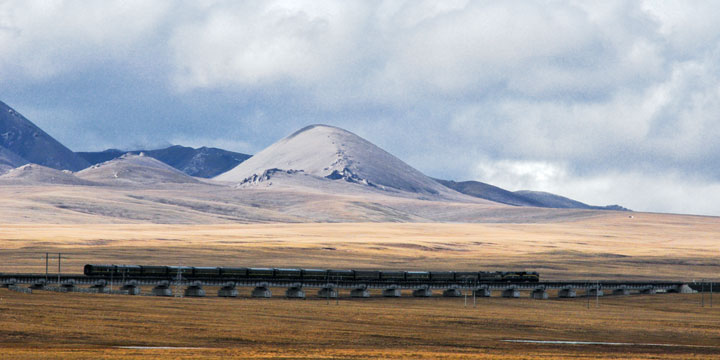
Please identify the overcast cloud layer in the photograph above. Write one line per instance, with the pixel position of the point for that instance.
(605, 102)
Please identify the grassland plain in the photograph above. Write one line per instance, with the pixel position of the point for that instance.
(46, 325)
(87, 326)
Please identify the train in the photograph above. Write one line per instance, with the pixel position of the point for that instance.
(172, 272)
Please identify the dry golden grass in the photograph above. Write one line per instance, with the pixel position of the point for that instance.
(86, 326)
(645, 246)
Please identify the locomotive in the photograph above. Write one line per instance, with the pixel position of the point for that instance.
(243, 273)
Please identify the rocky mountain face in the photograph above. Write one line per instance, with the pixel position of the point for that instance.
(29, 142)
(204, 162)
(335, 154)
(522, 197)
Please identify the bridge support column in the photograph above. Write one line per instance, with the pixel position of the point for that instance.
(67, 286)
(391, 292)
(131, 287)
(593, 291)
(423, 292)
(453, 292)
(162, 289)
(99, 286)
(361, 292)
(681, 289)
(621, 291)
(228, 290)
(567, 292)
(511, 292)
(648, 290)
(38, 284)
(261, 292)
(327, 292)
(539, 294)
(482, 291)
(295, 292)
(195, 290)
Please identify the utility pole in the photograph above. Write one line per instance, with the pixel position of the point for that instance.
(59, 257)
(47, 262)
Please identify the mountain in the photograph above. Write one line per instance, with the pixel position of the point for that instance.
(332, 153)
(33, 174)
(522, 197)
(29, 142)
(561, 202)
(135, 170)
(9, 160)
(204, 162)
(490, 192)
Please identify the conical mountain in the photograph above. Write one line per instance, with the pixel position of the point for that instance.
(135, 170)
(34, 174)
(31, 143)
(334, 153)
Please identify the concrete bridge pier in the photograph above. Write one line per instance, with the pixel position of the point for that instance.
(39, 284)
(391, 292)
(539, 293)
(195, 290)
(594, 291)
(100, 286)
(648, 290)
(328, 292)
(621, 291)
(511, 292)
(360, 292)
(162, 289)
(567, 292)
(261, 292)
(228, 290)
(422, 292)
(131, 287)
(681, 289)
(295, 292)
(482, 291)
(67, 286)
(452, 292)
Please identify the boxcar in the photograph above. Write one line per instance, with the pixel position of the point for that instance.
(341, 274)
(260, 272)
(314, 274)
(207, 272)
(442, 275)
(233, 272)
(173, 271)
(417, 275)
(367, 275)
(288, 273)
(392, 275)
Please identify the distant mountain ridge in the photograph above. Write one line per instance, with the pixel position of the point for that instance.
(522, 197)
(23, 138)
(204, 162)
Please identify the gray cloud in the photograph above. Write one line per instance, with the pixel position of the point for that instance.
(607, 102)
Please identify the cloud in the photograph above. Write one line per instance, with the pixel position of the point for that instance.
(560, 95)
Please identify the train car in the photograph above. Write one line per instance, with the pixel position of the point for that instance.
(233, 272)
(173, 271)
(206, 272)
(392, 275)
(442, 276)
(128, 270)
(98, 270)
(417, 276)
(532, 276)
(314, 274)
(466, 276)
(288, 273)
(260, 272)
(490, 276)
(154, 270)
(341, 274)
(367, 275)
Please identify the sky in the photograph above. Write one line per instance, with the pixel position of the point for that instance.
(606, 102)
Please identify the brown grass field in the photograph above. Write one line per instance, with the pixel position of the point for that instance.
(647, 246)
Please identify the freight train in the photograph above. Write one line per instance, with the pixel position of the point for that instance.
(229, 273)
